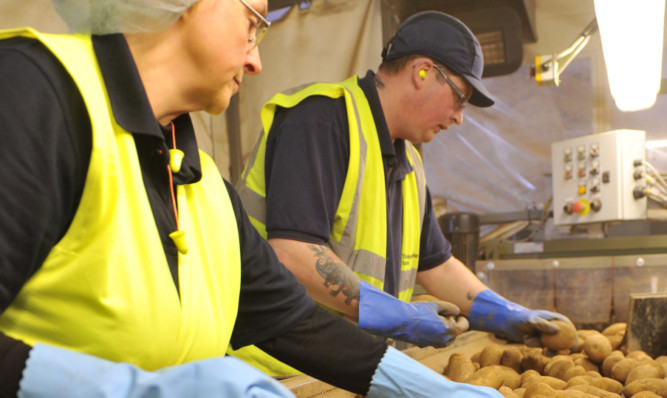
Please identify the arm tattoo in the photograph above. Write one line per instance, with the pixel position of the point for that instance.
(337, 276)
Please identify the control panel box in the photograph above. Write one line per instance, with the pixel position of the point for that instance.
(595, 177)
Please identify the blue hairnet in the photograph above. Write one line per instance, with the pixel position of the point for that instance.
(120, 16)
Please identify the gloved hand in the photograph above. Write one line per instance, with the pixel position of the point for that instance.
(398, 375)
(54, 372)
(493, 313)
(418, 323)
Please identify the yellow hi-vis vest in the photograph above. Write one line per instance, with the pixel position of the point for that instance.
(105, 289)
(359, 234)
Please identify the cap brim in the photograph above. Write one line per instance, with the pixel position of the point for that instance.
(480, 96)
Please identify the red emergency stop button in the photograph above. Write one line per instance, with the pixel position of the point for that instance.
(581, 207)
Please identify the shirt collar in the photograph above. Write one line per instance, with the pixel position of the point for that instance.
(393, 152)
(367, 84)
(130, 106)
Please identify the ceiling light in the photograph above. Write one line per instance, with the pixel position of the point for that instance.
(632, 35)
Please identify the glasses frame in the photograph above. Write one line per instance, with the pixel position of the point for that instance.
(462, 98)
(260, 28)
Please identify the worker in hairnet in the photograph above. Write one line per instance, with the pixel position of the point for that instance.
(337, 187)
(128, 264)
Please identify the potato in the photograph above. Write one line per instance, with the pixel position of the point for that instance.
(536, 389)
(658, 386)
(576, 370)
(646, 394)
(616, 340)
(639, 355)
(556, 384)
(542, 390)
(615, 328)
(529, 374)
(642, 371)
(519, 392)
(512, 378)
(559, 367)
(587, 364)
(535, 360)
(583, 333)
(493, 374)
(460, 367)
(512, 358)
(554, 360)
(597, 347)
(597, 392)
(489, 376)
(475, 357)
(507, 392)
(622, 368)
(564, 339)
(603, 383)
(574, 394)
(662, 361)
(490, 355)
(578, 380)
(607, 384)
(610, 361)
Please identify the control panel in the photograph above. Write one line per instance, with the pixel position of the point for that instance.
(594, 177)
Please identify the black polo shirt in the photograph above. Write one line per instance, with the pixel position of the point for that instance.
(307, 154)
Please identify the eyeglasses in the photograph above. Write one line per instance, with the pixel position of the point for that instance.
(257, 29)
(462, 98)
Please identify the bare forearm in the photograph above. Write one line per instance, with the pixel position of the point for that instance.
(328, 280)
(452, 281)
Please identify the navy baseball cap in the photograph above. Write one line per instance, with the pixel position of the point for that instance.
(444, 39)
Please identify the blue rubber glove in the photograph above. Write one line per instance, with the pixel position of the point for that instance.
(398, 375)
(493, 313)
(54, 372)
(418, 323)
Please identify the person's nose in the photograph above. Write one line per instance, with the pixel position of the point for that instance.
(253, 64)
(458, 116)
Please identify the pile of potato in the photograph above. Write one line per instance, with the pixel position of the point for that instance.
(598, 367)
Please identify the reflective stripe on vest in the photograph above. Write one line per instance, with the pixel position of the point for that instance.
(361, 216)
(105, 288)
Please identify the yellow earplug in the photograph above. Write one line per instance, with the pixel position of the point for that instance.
(175, 159)
(422, 74)
(179, 240)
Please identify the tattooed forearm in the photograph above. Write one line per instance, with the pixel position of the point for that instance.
(337, 276)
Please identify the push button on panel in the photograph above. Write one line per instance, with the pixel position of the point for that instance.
(581, 207)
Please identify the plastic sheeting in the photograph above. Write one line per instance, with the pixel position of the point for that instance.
(499, 159)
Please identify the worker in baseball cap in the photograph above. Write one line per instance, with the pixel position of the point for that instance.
(338, 188)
